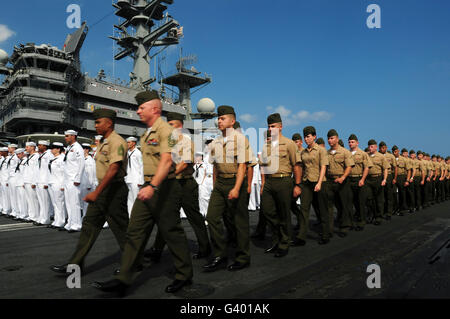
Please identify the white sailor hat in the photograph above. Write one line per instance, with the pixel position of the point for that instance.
(98, 137)
(199, 153)
(57, 144)
(86, 145)
(13, 145)
(31, 144)
(19, 150)
(46, 143)
(71, 132)
(4, 149)
(131, 139)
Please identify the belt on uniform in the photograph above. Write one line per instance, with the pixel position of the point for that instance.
(278, 175)
(355, 176)
(227, 175)
(231, 175)
(401, 175)
(334, 176)
(376, 175)
(184, 177)
(148, 178)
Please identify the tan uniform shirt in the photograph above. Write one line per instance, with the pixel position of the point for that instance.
(421, 168)
(392, 163)
(156, 141)
(339, 160)
(362, 160)
(312, 161)
(227, 153)
(430, 168)
(281, 157)
(437, 169)
(112, 150)
(183, 152)
(443, 168)
(380, 163)
(403, 166)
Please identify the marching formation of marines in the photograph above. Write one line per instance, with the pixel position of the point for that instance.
(132, 190)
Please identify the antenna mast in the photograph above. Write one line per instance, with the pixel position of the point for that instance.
(140, 15)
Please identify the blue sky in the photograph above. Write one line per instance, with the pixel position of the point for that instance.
(315, 61)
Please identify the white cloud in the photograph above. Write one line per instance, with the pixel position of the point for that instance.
(5, 33)
(292, 118)
(248, 118)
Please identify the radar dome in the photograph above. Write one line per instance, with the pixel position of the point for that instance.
(3, 57)
(206, 105)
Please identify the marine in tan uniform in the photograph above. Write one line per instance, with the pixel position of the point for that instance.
(391, 179)
(376, 180)
(447, 179)
(414, 182)
(423, 175)
(441, 184)
(227, 220)
(338, 186)
(230, 155)
(157, 203)
(183, 156)
(357, 179)
(403, 176)
(435, 180)
(314, 162)
(279, 160)
(428, 180)
(410, 180)
(108, 202)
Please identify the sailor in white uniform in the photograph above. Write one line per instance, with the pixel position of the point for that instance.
(42, 191)
(56, 183)
(73, 171)
(98, 141)
(89, 178)
(12, 164)
(3, 154)
(4, 176)
(255, 195)
(22, 207)
(206, 183)
(30, 176)
(135, 172)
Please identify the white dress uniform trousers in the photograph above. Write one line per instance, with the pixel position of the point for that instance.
(12, 165)
(88, 181)
(254, 201)
(4, 177)
(73, 170)
(21, 198)
(56, 181)
(31, 171)
(135, 176)
(42, 188)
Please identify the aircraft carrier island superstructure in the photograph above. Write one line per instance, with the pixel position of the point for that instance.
(45, 91)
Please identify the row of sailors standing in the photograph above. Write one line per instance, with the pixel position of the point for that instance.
(51, 181)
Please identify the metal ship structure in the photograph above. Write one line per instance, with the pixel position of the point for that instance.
(44, 90)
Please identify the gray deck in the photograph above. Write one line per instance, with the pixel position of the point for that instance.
(401, 247)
